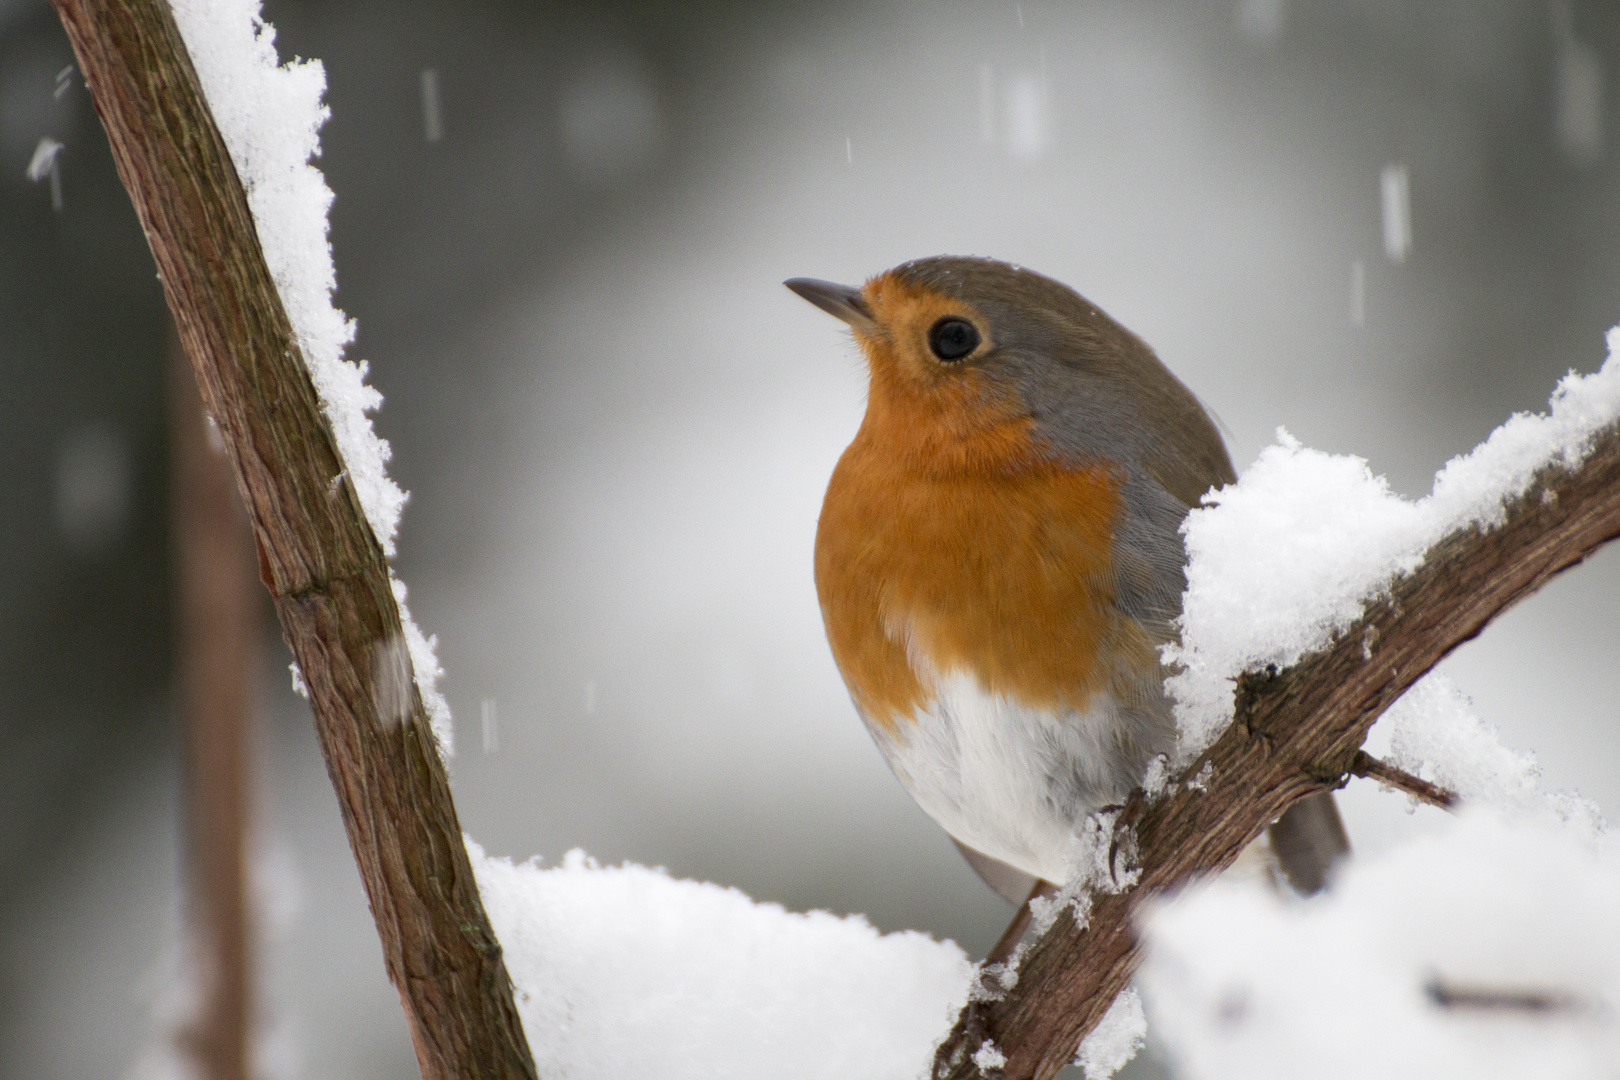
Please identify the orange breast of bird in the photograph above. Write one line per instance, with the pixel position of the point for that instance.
(949, 542)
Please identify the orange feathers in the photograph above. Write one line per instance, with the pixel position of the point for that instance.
(948, 542)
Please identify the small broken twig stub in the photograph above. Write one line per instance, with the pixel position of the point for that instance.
(317, 554)
(1368, 767)
(1503, 999)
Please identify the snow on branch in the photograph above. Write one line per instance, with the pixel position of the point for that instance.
(309, 470)
(1284, 561)
(270, 116)
(1325, 597)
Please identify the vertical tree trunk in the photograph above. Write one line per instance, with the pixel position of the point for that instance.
(217, 604)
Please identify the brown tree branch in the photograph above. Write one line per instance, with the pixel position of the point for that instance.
(1369, 767)
(1296, 732)
(324, 568)
(217, 602)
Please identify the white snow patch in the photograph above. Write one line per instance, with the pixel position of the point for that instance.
(1433, 734)
(989, 1057)
(425, 663)
(1241, 982)
(625, 971)
(1115, 1039)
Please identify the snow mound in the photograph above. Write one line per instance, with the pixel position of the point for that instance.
(626, 971)
(1489, 950)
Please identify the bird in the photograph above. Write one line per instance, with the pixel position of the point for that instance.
(999, 560)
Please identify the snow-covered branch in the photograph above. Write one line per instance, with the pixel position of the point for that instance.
(310, 473)
(1538, 500)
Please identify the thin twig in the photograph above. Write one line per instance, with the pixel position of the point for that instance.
(1371, 768)
(218, 607)
(1502, 999)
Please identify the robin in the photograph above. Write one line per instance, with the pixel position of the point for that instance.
(999, 558)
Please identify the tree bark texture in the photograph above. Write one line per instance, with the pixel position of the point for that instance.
(316, 553)
(1295, 732)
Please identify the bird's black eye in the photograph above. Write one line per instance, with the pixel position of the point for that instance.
(952, 339)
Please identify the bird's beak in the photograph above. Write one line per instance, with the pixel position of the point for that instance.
(844, 301)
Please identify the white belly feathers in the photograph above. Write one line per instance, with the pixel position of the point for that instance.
(1010, 781)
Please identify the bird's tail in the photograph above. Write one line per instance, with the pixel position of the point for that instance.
(1308, 840)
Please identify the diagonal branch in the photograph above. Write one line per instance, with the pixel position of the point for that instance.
(1296, 732)
(317, 555)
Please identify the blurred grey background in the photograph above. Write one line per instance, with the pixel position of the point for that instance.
(1385, 224)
